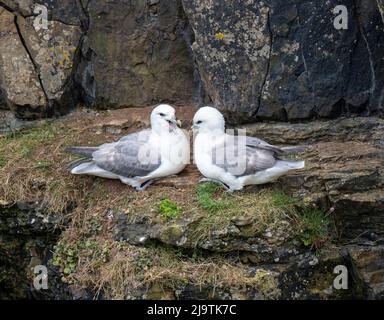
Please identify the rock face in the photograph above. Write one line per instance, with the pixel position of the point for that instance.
(19, 81)
(253, 59)
(380, 3)
(26, 238)
(105, 54)
(369, 268)
(286, 60)
(37, 60)
(53, 53)
(135, 54)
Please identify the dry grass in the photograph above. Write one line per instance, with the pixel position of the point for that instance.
(121, 271)
(33, 169)
(33, 164)
(264, 209)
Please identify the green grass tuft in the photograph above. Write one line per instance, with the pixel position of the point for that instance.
(282, 200)
(24, 143)
(313, 228)
(169, 209)
(205, 193)
(3, 160)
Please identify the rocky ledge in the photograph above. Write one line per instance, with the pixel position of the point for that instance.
(344, 176)
(272, 59)
(179, 240)
(279, 241)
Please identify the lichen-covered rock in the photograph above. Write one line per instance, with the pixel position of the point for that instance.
(37, 67)
(27, 237)
(286, 60)
(9, 123)
(68, 12)
(232, 50)
(20, 83)
(53, 51)
(23, 7)
(368, 269)
(135, 54)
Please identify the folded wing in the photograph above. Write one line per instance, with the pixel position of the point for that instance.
(125, 157)
(241, 159)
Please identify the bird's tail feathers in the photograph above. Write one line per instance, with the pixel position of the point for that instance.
(294, 149)
(84, 151)
(73, 164)
(290, 165)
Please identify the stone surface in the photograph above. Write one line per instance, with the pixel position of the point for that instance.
(53, 51)
(285, 60)
(272, 60)
(9, 123)
(19, 81)
(232, 49)
(37, 62)
(349, 178)
(344, 168)
(365, 129)
(26, 240)
(253, 59)
(135, 54)
(3, 104)
(23, 7)
(68, 12)
(380, 4)
(368, 269)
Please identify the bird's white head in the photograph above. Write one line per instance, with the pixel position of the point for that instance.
(163, 118)
(208, 119)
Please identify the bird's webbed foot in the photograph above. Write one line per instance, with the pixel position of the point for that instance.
(144, 185)
(202, 180)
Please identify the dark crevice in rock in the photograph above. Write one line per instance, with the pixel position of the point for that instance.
(369, 55)
(306, 70)
(189, 37)
(84, 10)
(84, 72)
(6, 7)
(266, 75)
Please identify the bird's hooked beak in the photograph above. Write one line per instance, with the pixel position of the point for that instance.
(173, 123)
(194, 126)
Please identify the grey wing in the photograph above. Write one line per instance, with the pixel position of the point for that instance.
(261, 144)
(122, 157)
(242, 160)
(258, 143)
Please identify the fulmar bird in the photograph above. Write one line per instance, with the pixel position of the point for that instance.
(141, 157)
(236, 161)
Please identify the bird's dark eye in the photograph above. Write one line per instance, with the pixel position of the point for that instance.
(199, 122)
(162, 114)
